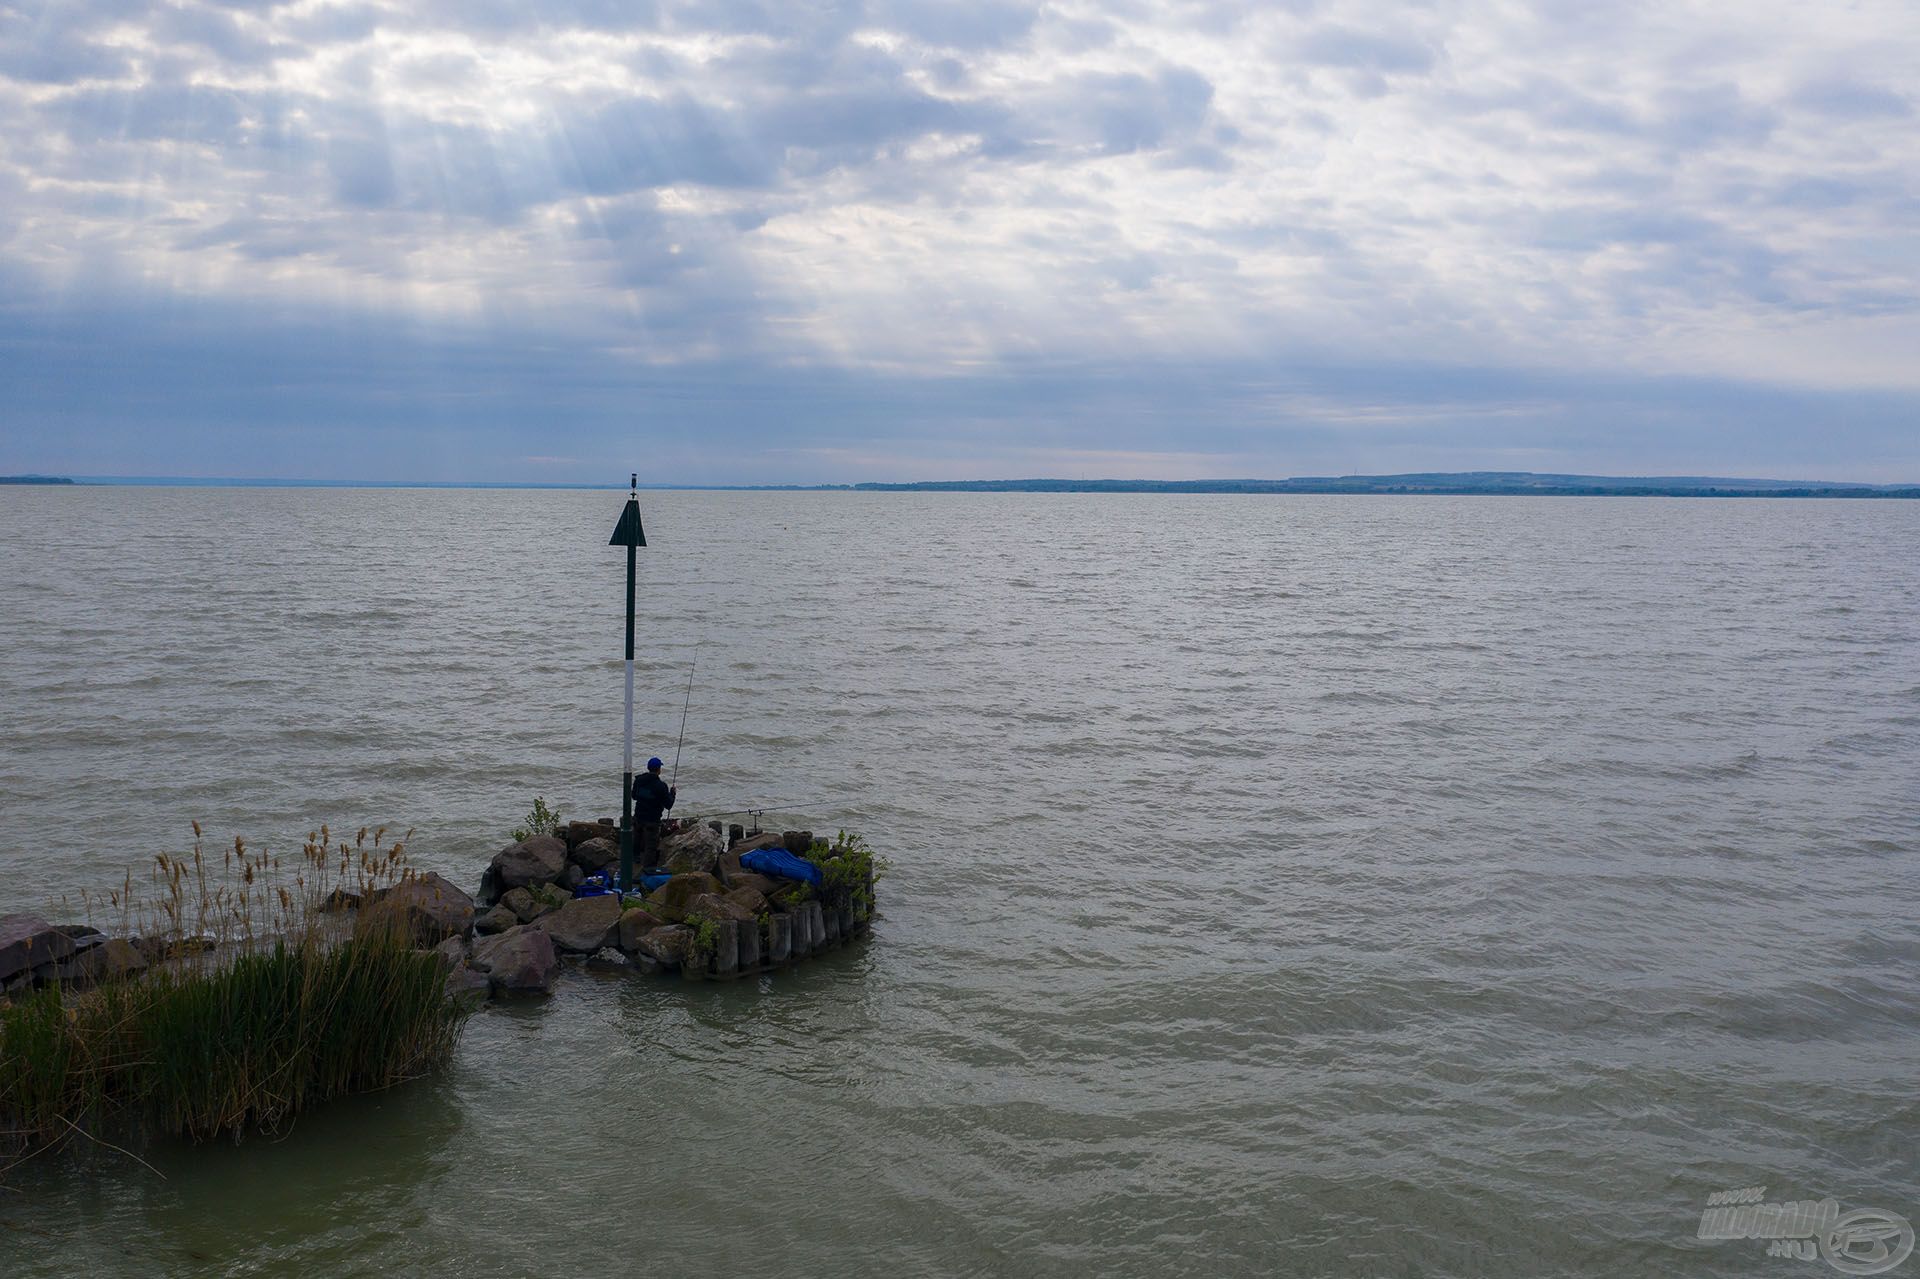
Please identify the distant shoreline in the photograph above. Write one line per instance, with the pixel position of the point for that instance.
(1433, 484)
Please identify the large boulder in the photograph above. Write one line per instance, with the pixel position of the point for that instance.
(592, 854)
(716, 907)
(425, 909)
(753, 843)
(671, 899)
(113, 960)
(584, 924)
(635, 924)
(752, 900)
(765, 885)
(519, 960)
(497, 920)
(698, 847)
(466, 984)
(28, 942)
(666, 945)
(540, 859)
(521, 903)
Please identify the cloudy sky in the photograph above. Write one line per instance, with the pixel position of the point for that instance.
(897, 239)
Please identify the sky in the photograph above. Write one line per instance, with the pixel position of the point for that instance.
(735, 241)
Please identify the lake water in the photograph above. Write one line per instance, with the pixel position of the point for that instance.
(1305, 885)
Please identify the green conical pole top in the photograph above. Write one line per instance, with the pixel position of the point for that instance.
(628, 531)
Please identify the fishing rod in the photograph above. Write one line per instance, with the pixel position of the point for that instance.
(683, 717)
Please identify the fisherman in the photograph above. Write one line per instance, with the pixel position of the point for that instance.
(651, 799)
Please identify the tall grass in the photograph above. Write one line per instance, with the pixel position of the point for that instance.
(261, 1004)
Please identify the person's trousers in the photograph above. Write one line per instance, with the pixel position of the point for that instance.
(646, 845)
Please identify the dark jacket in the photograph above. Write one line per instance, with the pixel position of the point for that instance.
(651, 797)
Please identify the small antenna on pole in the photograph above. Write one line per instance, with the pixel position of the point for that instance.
(634, 485)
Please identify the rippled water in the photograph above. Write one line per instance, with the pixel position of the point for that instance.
(1305, 885)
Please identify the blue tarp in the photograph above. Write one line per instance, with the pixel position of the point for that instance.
(781, 864)
(651, 882)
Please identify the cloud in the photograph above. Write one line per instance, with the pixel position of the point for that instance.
(949, 206)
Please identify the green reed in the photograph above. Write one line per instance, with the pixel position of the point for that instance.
(261, 1005)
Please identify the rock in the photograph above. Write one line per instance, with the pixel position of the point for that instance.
(635, 924)
(572, 877)
(111, 961)
(426, 909)
(693, 848)
(590, 855)
(780, 938)
(340, 899)
(750, 946)
(716, 906)
(671, 900)
(577, 833)
(83, 936)
(765, 885)
(584, 924)
(452, 952)
(27, 942)
(520, 959)
(608, 957)
(665, 946)
(466, 984)
(497, 920)
(521, 903)
(753, 843)
(540, 859)
(751, 900)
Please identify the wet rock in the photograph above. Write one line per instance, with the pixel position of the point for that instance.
(540, 859)
(452, 952)
(666, 946)
(692, 848)
(83, 936)
(497, 920)
(716, 906)
(584, 924)
(750, 900)
(468, 985)
(608, 957)
(635, 924)
(671, 900)
(595, 854)
(519, 960)
(28, 942)
(113, 960)
(425, 909)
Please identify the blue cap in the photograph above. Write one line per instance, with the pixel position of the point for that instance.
(654, 762)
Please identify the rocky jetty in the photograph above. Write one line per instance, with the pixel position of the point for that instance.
(712, 920)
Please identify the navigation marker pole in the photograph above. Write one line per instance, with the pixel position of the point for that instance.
(629, 534)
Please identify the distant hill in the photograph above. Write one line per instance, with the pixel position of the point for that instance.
(34, 479)
(1464, 483)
